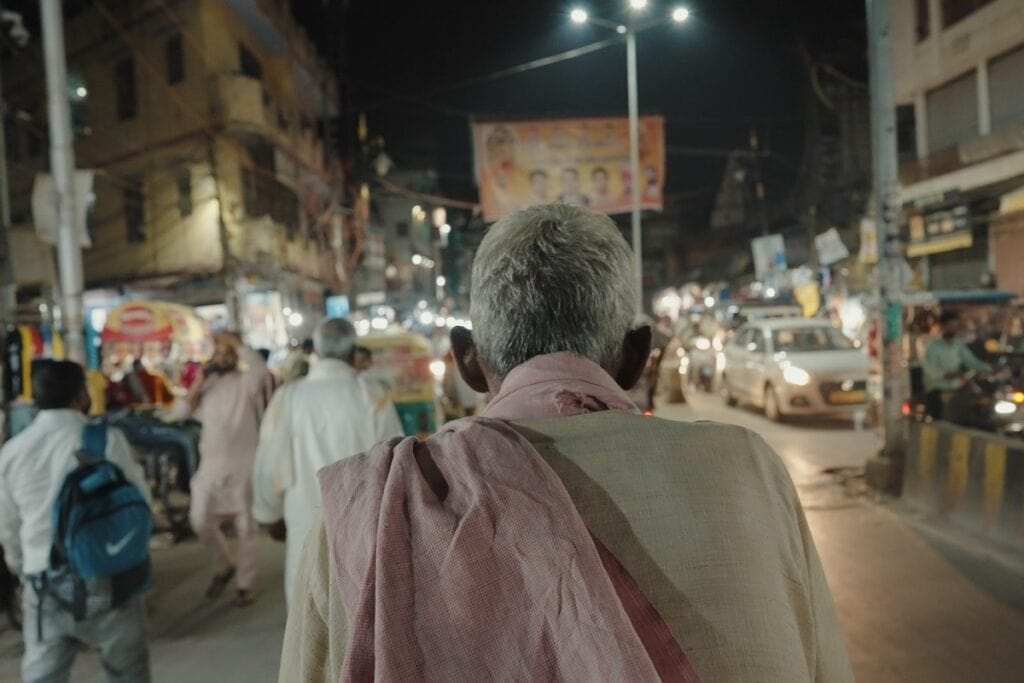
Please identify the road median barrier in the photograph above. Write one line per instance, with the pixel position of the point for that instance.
(973, 478)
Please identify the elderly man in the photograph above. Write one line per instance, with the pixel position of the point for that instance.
(561, 535)
(328, 415)
(228, 398)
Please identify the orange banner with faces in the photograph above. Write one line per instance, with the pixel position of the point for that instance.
(577, 161)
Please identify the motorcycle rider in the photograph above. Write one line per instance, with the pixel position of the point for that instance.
(945, 361)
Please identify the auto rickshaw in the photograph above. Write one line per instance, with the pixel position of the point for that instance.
(402, 364)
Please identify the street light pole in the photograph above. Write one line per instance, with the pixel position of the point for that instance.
(634, 166)
(62, 165)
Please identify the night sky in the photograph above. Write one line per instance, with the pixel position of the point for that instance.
(733, 65)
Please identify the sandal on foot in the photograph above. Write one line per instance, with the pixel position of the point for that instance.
(245, 597)
(219, 583)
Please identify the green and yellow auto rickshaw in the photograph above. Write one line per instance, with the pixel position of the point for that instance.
(402, 364)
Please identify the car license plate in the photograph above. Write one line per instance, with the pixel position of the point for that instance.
(843, 397)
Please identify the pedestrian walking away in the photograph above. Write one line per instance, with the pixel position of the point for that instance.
(228, 400)
(680, 549)
(83, 582)
(328, 415)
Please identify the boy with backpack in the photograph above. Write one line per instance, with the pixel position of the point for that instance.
(75, 523)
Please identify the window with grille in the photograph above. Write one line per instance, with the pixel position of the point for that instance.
(134, 211)
(955, 10)
(184, 193)
(175, 56)
(248, 63)
(124, 86)
(922, 19)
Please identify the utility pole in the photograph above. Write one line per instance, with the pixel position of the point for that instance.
(755, 162)
(62, 166)
(883, 471)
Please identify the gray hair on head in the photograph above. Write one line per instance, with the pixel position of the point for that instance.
(552, 278)
(334, 338)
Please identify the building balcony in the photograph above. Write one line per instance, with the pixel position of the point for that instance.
(977, 162)
(242, 105)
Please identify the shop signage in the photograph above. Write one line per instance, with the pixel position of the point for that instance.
(940, 231)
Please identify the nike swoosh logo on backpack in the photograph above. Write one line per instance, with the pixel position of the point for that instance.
(115, 548)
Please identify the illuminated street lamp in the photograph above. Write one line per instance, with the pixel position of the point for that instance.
(678, 15)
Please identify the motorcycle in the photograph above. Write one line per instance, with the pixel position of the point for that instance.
(170, 457)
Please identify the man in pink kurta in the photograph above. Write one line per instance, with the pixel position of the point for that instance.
(229, 401)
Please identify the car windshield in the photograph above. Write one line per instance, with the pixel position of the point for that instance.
(810, 339)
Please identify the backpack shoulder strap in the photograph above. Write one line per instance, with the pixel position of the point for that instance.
(94, 440)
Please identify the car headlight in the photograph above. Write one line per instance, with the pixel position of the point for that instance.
(797, 376)
(1006, 407)
(437, 369)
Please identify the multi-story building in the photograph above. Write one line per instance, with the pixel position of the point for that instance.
(203, 121)
(959, 83)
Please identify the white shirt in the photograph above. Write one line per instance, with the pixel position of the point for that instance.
(328, 415)
(33, 466)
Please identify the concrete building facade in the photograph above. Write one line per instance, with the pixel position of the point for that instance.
(203, 121)
(959, 83)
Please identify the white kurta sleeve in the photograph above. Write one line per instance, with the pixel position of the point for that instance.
(10, 527)
(274, 456)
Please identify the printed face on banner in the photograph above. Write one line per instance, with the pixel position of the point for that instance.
(576, 161)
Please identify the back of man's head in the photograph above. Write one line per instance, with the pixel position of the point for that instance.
(56, 384)
(552, 278)
(307, 346)
(334, 338)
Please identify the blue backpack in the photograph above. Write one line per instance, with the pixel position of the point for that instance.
(101, 529)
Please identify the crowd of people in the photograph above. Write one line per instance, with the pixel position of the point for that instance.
(559, 534)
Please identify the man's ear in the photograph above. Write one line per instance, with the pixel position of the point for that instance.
(636, 349)
(467, 360)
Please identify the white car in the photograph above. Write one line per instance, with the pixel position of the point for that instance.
(795, 366)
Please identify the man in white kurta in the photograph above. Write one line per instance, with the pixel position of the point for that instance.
(328, 415)
(229, 400)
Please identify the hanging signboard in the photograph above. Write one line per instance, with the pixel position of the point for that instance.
(575, 161)
(769, 255)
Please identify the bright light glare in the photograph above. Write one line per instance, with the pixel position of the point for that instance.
(1006, 407)
(797, 376)
(379, 323)
(437, 369)
(680, 14)
(638, 4)
(441, 281)
(440, 322)
(709, 301)
(578, 15)
(620, 29)
(81, 91)
(426, 318)
(702, 343)
(445, 229)
(1018, 397)
(295, 319)
(770, 292)
(417, 259)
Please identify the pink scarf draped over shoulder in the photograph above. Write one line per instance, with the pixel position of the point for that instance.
(463, 558)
